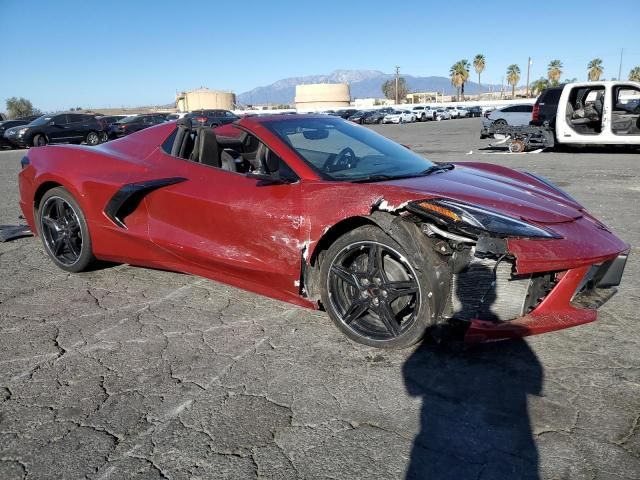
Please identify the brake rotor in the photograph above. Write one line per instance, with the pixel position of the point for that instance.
(517, 146)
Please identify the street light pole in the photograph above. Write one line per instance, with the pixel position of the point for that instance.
(528, 68)
(397, 74)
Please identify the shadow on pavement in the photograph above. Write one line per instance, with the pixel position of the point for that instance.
(474, 421)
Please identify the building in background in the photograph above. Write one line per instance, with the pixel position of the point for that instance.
(317, 96)
(424, 97)
(204, 98)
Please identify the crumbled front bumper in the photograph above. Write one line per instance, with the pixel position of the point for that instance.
(572, 301)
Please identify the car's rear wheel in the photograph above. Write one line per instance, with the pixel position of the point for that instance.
(92, 139)
(374, 293)
(500, 121)
(64, 231)
(39, 140)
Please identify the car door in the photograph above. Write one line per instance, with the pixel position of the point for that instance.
(77, 126)
(228, 224)
(58, 129)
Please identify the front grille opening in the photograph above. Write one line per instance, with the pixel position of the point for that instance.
(489, 290)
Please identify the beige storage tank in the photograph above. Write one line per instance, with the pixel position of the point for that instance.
(317, 96)
(203, 98)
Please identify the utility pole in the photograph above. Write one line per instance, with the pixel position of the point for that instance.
(397, 76)
(528, 68)
(620, 67)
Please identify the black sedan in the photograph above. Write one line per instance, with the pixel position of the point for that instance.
(133, 123)
(212, 118)
(375, 116)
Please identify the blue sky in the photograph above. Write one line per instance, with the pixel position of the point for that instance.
(67, 53)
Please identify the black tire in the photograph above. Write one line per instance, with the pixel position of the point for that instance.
(39, 140)
(357, 296)
(500, 121)
(92, 139)
(64, 232)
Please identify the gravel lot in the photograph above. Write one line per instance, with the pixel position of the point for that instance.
(134, 373)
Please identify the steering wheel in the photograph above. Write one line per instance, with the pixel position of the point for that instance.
(346, 158)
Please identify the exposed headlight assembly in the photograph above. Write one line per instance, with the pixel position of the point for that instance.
(21, 131)
(475, 220)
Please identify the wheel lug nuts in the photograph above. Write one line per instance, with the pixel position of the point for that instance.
(365, 294)
(376, 302)
(365, 282)
(384, 293)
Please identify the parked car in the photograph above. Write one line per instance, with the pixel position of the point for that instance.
(475, 112)
(358, 117)
(510, 115)
(442, 114)
(57, 128)
(376, 116)
(346, 113)
(399, 116)
(134, 123)
(212, 118)
(505, 253)
(463, 112)
(6, 124)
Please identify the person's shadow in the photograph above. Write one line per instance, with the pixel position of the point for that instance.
(474, 418)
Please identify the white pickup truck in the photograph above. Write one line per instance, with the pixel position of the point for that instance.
(591, 113)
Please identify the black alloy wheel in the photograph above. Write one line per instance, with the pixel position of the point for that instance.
(374, 290)
(64, 232)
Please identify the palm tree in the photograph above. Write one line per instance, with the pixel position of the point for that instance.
(459, 74)
(513, 77)
(456, 78)
(554, 71)
(595, 69)
(539, 85)
(478, 65)
(634, 74)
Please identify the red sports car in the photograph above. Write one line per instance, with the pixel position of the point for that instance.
(320, 212)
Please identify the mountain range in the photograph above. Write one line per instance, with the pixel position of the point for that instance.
(363, 84)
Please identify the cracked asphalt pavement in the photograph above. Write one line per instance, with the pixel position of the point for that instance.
(126, 372)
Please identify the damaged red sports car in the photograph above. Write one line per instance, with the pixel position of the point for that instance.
(326, 214)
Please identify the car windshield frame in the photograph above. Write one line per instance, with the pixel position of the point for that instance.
(387, 160)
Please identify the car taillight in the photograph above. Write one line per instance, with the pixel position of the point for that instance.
(535, 113)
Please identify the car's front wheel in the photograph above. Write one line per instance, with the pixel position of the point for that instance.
(39, 140)
(374, 293)
(64, 231)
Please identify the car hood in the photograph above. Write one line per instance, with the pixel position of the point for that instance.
(496, 188)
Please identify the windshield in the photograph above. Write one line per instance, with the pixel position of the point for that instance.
(41, 120)
(340, 150)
